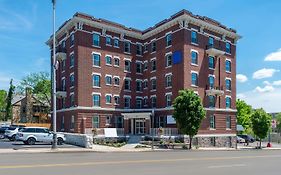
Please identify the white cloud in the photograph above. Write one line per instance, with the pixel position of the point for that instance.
(269, 101)
(264, 73)
(277, 83)
(267, 88)
(274, 56)
(241, 78)
(266, 83)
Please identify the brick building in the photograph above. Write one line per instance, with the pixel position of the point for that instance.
(113, 76)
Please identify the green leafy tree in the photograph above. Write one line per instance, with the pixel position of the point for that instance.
(3, 96)
(9, 101)
(261, 123)
(278, 120)
(244, 112)
(39, 83)
(188, 113)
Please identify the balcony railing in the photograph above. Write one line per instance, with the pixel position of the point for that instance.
(214, 51)
(214, 90)
(164, 131)
(61, 54)
(60, 93)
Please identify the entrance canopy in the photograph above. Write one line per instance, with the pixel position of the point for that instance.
(145, 115)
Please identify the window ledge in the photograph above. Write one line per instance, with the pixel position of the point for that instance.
(108, 65)
(128, 53)
(116, 85)
(98, 87)
(108, 103)
(211, 68)
(96, 46)
(167, 47)
(227, 53)
(228, 72)
(168, 87)
(96, 66)
(116, 46)
(228, 129)
(139, 55)
(168, 67)
(109, 45)
(153, 71)
(71, 67)
(196, 44)
(212, 129)
(127, 71)
(116, 66)
(108, 84)
(126, 90)
(192, 64)
(152, 90)
(153, 52)
(195, 86)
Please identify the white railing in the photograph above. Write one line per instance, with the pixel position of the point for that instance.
(164, 131)
(100, 131)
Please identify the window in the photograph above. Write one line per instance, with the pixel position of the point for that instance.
(228, 66)
(228, 84)
(153, 102)
(108, 60)
(62, 123)
(139, 49)
(212, 122)
(127, 84)
(169, 60)
(108, 120)
(96, 80)
(168, 100)
(228, 102)
(127, 65)
(116, 62)
(145, 101)
(63, 103)
(138, 103)
(108, 40)
(63, 65)
(119, 122)
(72, 123)
(153, 84)
(72, 60)
(145, 48)
(127, 47)
(63, 44)
(139, 66)
(127, 102)
(211, 62)
(63, 84)
(153, 65)
(227, 47)
(153, 46)
(96, 39)
(194, 79)
(212, 101)
(169, 39)
(211, 42)
(96, 60)
(116, 81)
(72, 100)
(194, 57)
(96, 100)
(145, 65)
(116, 100)
(108, 80)
(145, 85)
(71, 40)
(96, 122)
(116, 42)
(108, 99)
(139, 87)
(211, 81)
(169, 80)
(71, 80)
(228, 122)
(194, 37)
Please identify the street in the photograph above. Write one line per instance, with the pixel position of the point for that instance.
(256, 162)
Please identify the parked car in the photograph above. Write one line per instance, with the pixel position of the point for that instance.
(2, 131)
(12, 131)
(31, 135)
(240, 139)
(248, 138)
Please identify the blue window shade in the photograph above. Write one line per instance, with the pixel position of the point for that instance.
(177, 57)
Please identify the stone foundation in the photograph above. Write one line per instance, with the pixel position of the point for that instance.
(229, 141)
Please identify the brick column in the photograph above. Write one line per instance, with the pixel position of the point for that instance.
(126, 126)
(83, 125)
(147, 126)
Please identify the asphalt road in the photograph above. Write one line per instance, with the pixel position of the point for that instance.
(144, 163)
(6, 144)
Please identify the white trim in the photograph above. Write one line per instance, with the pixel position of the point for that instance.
(215, 135)
(108, 56)
(128, 59)
(97, 53)
(108, 95)
(193, 50)
(168, 53)
(96, 93)
(139, 80)
(228, 96)
(139, 61)
(116, 76)
(107, 75)
(168, 93)
(152, 96)
(151, 59)
(72, 73)
(153, 78)
(139, 97)
(227, 59)
(170, 73)
(127, 78)
(96, 73)
(127, 96)
(211, 75)
(192, 71)
(227, 78)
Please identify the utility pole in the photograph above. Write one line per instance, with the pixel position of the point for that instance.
(153, 129)
(54, 144)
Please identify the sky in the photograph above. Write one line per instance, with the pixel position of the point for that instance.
(25, 26)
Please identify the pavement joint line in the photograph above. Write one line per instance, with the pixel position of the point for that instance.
(131, 162)
(227, 166)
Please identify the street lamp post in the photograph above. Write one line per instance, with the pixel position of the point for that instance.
(54, 144)
(153, 131)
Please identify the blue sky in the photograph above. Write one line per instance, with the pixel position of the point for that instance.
(25, 25)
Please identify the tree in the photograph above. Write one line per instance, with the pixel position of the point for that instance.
(261, 123)
(9, 101)
(188, 113)
(3, 96)
(244, 112)
(40, 85)
(278, 120)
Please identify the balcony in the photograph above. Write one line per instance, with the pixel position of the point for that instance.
(61, 54)
(214, 51)
(61, 94)
(214, 91)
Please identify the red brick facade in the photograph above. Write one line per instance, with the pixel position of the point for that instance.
(180, 25)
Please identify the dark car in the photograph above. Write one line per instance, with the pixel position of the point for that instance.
(2, 131)
(248, 138)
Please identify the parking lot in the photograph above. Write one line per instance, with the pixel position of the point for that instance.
(6, 144)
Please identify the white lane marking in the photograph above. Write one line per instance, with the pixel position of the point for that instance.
(227, 166)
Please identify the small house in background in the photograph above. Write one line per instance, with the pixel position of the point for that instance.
(29, 109)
